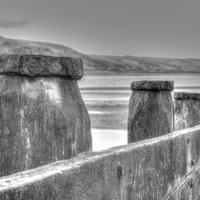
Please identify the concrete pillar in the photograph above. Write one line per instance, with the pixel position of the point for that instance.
(42, 114)
(150, 110)
(187, 110)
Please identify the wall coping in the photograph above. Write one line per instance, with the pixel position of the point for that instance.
(40, 65)
(184, 95)
(153, 85)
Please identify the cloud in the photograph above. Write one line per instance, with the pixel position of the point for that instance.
(14, 23)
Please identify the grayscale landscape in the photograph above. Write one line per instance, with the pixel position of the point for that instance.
(103, 64)
(105, 86)
(100, 100)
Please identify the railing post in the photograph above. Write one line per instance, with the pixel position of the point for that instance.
(150, 110)
(187, 110)
(42, 115)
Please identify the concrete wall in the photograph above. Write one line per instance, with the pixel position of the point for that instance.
(150, 110)
(186, 110)
(162, 168)
(43, 117)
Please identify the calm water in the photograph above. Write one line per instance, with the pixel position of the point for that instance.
(106, 98)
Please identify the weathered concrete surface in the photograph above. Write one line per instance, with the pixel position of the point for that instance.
(187, 110)
(153, 169)
(42, 120)
(153, 85)
(184, 95)
(189, 189)
(150, 110)
(37, 65)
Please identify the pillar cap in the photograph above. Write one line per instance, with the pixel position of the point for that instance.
(184, 95)
(152, 85)
(40, 65)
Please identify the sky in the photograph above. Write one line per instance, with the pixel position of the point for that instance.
(154, 28)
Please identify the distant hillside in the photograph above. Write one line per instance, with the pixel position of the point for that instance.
(95, 64)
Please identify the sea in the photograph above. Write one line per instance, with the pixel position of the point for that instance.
(107, 97)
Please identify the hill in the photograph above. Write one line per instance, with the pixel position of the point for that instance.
(102, 64)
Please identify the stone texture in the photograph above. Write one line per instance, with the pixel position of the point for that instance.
(184, 95)
(187, 110)
(154, 169)
(153, 85)
(150, 112)
(190, 189)
(42, 120)
(36, 65)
